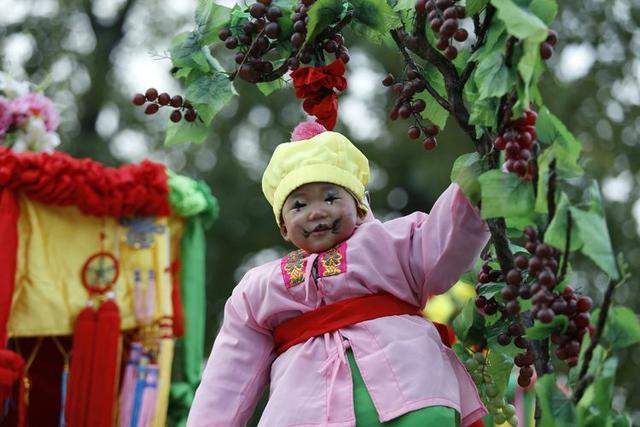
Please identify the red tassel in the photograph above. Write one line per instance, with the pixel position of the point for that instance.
(178, 311)
(105, 372)
(78, 397)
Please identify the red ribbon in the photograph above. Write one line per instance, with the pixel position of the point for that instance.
(316, 86)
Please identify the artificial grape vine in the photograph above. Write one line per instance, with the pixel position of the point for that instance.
(406, 107)
(477, 364)
(443, 16)
(253, 40)
(330, 41)
(181, 109)
(518, 140)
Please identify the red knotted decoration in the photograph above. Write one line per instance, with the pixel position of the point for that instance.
(316, 86)
(80, 375)
(106, 365)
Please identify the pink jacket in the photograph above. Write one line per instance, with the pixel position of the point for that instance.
(402, 359)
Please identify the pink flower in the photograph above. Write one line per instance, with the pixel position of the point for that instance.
(36, 104)
(6, 117)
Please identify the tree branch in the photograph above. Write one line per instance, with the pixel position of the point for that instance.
(567, 247)
(583, 379)
(551, 192)
(400, 43)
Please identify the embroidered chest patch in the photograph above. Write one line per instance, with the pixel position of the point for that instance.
(334, 261)
(330, 263)
(293, 266)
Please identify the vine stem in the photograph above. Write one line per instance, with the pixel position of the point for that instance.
(583, 379)
(567, 247)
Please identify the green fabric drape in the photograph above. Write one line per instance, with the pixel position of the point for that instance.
(192, 200)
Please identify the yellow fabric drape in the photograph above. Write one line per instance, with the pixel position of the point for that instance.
(54, 243)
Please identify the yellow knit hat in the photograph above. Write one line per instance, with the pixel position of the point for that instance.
(326, 157)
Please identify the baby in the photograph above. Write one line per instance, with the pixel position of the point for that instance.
(334, 327)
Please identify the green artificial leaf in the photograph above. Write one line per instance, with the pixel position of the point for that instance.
(474, 6)
(557, 409)
(210, 18)
(492, 76)
(464, 320)
(182, 73)
(593, 232)
(546, 10)
(466, 170)
(267, 88)
(185, 51)
(566, 148)
(620, 420)
(594, 408)
(462, 59)
(545, 127)
(375, 14)
(239, 16)
(544, 161)
(434, 111)
(528, 61)
(520, 22)
(322, 14)
(495, 41)
(209, 94)
(506, 195)
(184, 131)
(404, 5)
(541, 330)
(484, 112)
(286, 30)
(594, 198)
(284, 5)
(556, 234)
(491, 289)
(500, 363)
(622, 328)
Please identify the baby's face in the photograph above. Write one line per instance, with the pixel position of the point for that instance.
(318, 216)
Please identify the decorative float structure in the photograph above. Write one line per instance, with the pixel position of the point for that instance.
(101, 284)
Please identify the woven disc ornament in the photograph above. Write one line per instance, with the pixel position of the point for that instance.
(100, 272)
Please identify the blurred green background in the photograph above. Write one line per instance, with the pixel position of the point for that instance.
(99, 53)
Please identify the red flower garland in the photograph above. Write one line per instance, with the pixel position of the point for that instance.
(316, 86)
(61, 180)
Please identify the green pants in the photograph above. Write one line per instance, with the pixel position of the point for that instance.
(366, 415)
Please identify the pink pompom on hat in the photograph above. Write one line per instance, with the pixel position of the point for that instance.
(306, 130)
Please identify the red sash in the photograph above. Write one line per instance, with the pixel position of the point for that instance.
(329, 318)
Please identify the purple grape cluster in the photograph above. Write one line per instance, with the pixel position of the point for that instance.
(181, 109)
(443, 16)
(254, 40)
(547, 303)
(517, 140)
(405, 106)
(331, 42)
